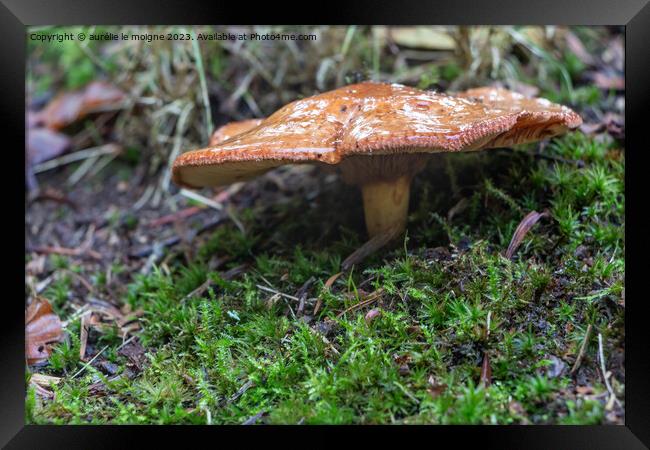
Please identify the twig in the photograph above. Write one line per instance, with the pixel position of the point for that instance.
(373, 297)
(302, 295)
(604, 371)
(369, 248)
(249, 384)
(198, 291)
(251, 420)
(583, 348)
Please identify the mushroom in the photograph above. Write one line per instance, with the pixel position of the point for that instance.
(232, 129)
(380, 136)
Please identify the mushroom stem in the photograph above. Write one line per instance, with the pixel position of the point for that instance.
(385, 205)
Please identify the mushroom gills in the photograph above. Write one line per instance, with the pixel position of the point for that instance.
(385, 182)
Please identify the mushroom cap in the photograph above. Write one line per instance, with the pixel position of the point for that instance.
(369, 119)
(232, 129)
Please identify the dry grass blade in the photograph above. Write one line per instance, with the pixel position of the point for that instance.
(524, 227)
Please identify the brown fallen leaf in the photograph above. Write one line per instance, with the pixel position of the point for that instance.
(63, 110)
(524, 226)
(135, 353)
(42, 329)
(100, 94)
(68, 107)
(486, 371)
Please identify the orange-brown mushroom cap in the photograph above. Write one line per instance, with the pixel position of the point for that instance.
(232, 129)
(369, 119)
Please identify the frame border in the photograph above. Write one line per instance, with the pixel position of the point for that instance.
(15, 15)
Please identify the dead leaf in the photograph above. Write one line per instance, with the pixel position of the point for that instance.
(68, 107)
(486, 371)
(63, 110)
(330, 281)
(524, 226)
(135, 353)
(42, 328)
(100, 94)
(435, 389)
(44, 144)
(424, 37)
(577, 48)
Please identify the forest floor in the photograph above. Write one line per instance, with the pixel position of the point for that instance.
(178, 312)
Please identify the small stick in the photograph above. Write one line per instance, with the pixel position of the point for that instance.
(251, 420)
(372, 298)
(583, 348)
(302, 294)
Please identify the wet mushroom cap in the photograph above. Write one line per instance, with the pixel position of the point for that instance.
(369, 119)
(232, 129)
